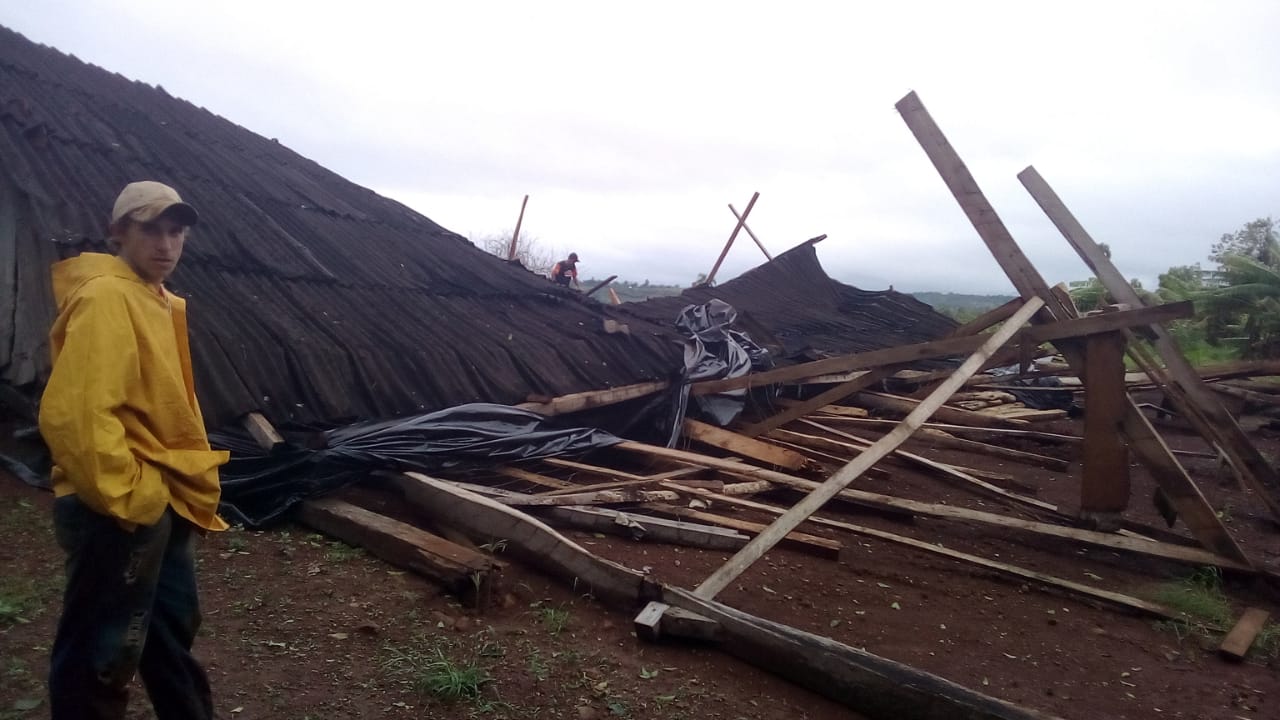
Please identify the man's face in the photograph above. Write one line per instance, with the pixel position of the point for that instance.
(152, 248)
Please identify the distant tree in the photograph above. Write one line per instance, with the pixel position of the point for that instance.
(1180, 282)
(529, 251)
(1248, 306)
(1254, 240)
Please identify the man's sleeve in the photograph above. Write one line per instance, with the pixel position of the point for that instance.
(80, 413)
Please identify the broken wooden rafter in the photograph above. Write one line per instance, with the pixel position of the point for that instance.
(820, 494)
(594, 398)
(966, 430)
(1237, 642)
(1077, 327)
(263, 432)
(742, 220)
(878, 688)
(597, 286)
(1193, 399)
(827, 397)
(1143, 440)
(750, 234)
(515, 235)
(743, 445)
(800, 542)
(1117, 599)
(904, 405)
(616, 496)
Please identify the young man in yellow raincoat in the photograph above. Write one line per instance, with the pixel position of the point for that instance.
(134, 476)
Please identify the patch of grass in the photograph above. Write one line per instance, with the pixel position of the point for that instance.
(238, 544)
(1199, 596)
(1267, 645)
(555, 620)
(21, 599)
(435, 673)
(341, 552)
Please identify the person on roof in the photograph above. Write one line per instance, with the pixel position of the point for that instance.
(566, 271)
(134, 478)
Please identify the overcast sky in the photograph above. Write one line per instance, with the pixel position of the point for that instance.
(633, 125)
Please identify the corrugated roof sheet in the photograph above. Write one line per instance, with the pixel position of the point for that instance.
(313, 299)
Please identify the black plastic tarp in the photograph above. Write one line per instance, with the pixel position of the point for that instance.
(258, 488)
(715, 351)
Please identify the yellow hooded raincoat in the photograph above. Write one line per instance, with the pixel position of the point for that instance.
(119, 412)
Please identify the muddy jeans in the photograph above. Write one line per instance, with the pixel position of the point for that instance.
(130, 607)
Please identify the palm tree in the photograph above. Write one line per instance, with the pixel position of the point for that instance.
(1249, 304)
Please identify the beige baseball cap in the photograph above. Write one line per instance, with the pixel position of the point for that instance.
(147, 200)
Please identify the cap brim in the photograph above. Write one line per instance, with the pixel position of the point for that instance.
(181, 213)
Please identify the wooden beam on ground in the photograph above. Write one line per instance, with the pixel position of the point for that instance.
(743, 445)
(633, 484)
(804, 407)
(750, 234)
(800, 542)
(905, 405)
(878, 688)
(1111, 598)
(616, 496)
(594, 398)
(1219, 427)
(1237, 642)
(464, 572)
(1104, 489)
(1172, 478)
(263, 432)
(742, 220)
(966, 430)
(940, 438)
(846, 475)
(515, 236)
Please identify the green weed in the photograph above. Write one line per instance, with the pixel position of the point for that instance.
(1199, 597)
(555, 620)
(435, 673)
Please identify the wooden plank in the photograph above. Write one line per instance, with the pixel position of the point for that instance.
(966, 430)
(630, 483)
(1104, 489)
(515, 235)
(942, 439)
(743, 445)
(946, 347)
(1219, 427)
(594, 398)
(798, 541)
(1237, 642)
(905, 405)
(648, 528)
(750, 234)
(464, 572)
(1172, 478)
(742, 220)
(617, 496)
(804, 407)
(263, 432)
(1112, 598)
(878, 688)
(846, 475)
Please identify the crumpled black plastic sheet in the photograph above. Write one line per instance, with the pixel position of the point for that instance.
(258, 488)
(714, 351)
(1037, 399)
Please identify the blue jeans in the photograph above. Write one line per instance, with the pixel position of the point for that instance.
(130, 606)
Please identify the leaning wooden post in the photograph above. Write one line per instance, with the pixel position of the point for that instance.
(742, 220)
(599, 285)
(750, 234)
(515, 236)
(1195, 400)
(1172, 478)
(847, 474)
(1104, 487)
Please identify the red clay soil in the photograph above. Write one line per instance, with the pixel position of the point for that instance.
(298, 626)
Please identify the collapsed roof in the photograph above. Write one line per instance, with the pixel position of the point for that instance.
(794, 309)
(315, 300)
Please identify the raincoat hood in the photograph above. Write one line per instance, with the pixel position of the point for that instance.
(69, 276)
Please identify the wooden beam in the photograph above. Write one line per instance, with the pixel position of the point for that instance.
(804, 407)
(615, 496)
(613, 297)
(515, 236)
(966, 430)
(752, 235)
(1172, 478)
(947, 347)
(939, 438)
(634, 483)
(599, 285)
(905, 405)
(1220, 427)
(846, 475)
(1104, 489)
(878, 688)
(464, 572)
(742, 220)
(1112, 598)
(798, 541)
(594, 398)
(743, 445)
(263, 432)
(1237, 642)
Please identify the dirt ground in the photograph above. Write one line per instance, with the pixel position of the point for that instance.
(298, 626)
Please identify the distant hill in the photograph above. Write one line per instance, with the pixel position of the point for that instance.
(631, 291)
(959, 306)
